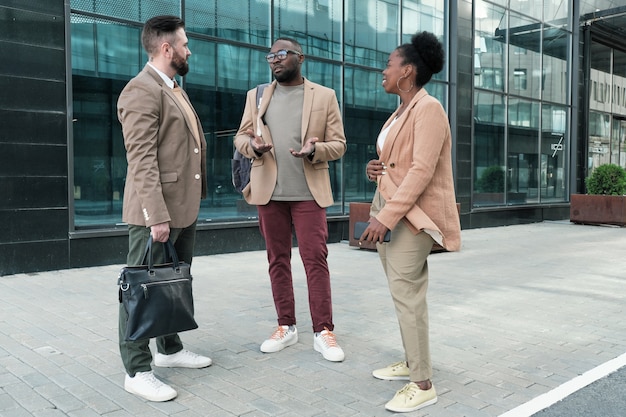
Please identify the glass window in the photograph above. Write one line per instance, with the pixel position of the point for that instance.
(315, 24)
(489, 46)
(554, 153)
(618, 142)
(619, 82)
(136, 11)
(371, 31)
(600, 80)
(367, 107)
(555, 73)
(418, 16)
(105, 55)
(520, 79)
(239, 20)
(489, 149)
(522, 150)
(324, 73)
(523, 113)
(228, 41)
(532, 8)
(555, 10)
(105, 49)
(599, 139)
(524, 55)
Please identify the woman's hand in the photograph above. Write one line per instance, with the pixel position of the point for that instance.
(375, 232)
(374, 168)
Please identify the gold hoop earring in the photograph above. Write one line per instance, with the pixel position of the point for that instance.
(398, 85)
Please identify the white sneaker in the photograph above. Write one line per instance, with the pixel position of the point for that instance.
(146, 385)
(326, 343)
(282, 337)
(182, 359)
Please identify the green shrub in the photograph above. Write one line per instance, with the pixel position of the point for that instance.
(607, 179)
(491, 180)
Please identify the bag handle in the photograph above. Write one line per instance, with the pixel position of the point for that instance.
(170, 253)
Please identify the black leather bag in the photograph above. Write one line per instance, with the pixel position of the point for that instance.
(157, 298)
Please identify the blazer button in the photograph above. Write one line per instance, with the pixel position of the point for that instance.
(196, 150)
(197, 176)
(392, 165)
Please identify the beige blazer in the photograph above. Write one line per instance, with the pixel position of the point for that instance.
(418, 187)
(166, 176)
(320, 118)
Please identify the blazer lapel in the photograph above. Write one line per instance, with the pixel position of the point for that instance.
(309, 95)
(168, 91)
(265, 102)
(392, 135)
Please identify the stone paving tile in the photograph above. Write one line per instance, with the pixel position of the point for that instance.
(519, 311)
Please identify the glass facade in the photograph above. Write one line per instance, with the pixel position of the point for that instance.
(607, 107)
(522, 102)
(535, 106)
(346, 44)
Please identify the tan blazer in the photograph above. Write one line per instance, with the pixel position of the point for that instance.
(320, 117)
(166, 176)
(418, 187)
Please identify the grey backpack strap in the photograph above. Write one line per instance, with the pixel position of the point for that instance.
(240, 165)
(259, 93)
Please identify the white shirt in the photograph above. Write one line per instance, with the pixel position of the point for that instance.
(382, 136)
(168, 80)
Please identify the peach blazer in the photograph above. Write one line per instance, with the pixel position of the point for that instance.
(418, 186)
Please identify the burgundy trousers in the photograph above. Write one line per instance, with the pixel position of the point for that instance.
(308, 220)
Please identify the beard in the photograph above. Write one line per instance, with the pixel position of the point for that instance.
(286, 75)
(180, 64)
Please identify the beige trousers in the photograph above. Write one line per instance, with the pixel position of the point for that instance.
(404, 262)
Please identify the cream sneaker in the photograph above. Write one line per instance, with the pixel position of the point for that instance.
(282, 337)
(182, 359)
(394, 372)
(326, 343)
(411, 398)
(146, 385)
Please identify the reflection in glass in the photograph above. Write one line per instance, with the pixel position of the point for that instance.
(239, 20)
(418, 16)
(555, 70)
(367, 107)
(522, 150)
(489, 55)
(532, 8)
(371, 31)
(618, 142)
(524, 56)
(555, 10)
(489, 149)
(554, 151)
(315, 24)
(599, 139)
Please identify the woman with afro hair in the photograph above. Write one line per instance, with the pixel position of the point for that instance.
(414, 199)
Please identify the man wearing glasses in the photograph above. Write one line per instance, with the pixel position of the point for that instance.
(291, 135)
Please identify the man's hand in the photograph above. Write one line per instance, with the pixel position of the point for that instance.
(307, 149)
(258, 144)
(160, 232)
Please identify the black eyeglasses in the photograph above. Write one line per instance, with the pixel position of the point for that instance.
(281, 55)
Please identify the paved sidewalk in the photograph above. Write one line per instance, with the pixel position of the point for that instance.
(519, 311)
